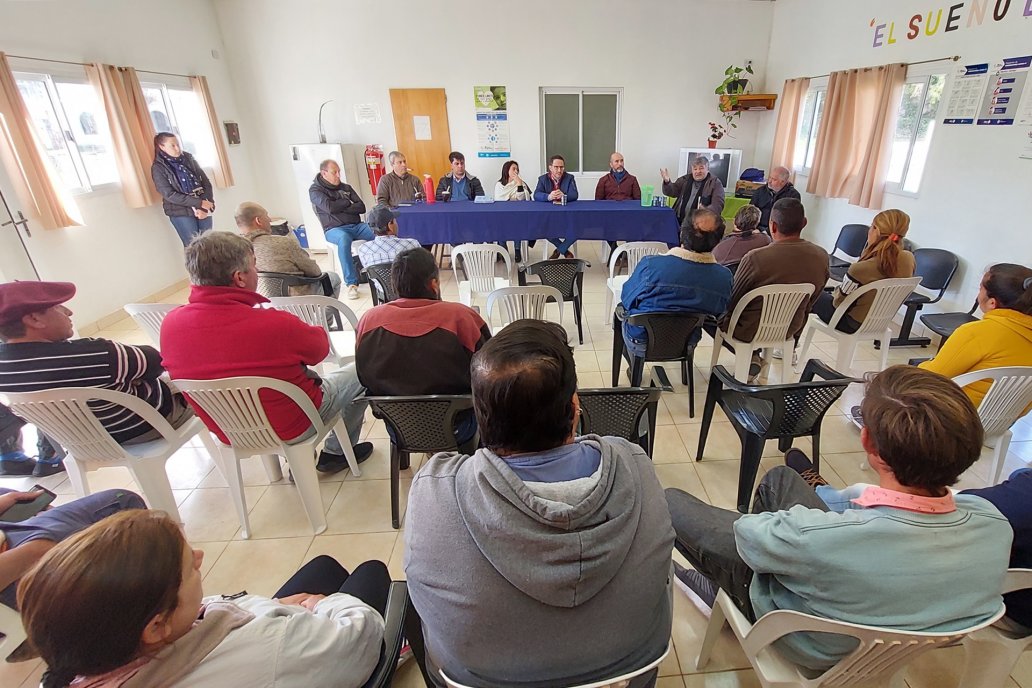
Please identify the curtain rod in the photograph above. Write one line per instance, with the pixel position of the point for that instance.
(952, 58)
(86, 64)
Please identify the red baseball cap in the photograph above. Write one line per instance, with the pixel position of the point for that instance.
(18, 299)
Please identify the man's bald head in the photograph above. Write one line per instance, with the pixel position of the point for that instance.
(250, 216)
(616, 162)
(702, 230)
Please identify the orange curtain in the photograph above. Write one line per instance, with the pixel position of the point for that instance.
(132, 132)
(46, 202)
(223, 173)
(854, 142)
(792, 98)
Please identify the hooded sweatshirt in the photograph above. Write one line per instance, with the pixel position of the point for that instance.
(515, 589)
(1003, 337)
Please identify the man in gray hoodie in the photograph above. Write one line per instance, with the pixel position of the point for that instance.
(543, 559)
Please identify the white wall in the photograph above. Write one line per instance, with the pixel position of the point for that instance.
(288, 57)
(974, 199)
(122, 254)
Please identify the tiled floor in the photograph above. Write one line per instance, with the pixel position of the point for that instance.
(359, 509)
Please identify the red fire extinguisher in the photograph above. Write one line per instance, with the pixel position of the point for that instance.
(374, 165)
(428, 189)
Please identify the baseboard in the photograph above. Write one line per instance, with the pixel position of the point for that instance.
(90, 329)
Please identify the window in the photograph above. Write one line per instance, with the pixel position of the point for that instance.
(582, 125)
(809, 125)
(918, 109)
(177, 109)
(71, 127)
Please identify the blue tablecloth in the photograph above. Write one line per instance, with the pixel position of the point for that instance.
(459, 223)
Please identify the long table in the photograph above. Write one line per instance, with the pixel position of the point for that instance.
(459, 223)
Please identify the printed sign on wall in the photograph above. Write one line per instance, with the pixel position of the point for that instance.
(490, 104)
(955, 17)
(1002, 97)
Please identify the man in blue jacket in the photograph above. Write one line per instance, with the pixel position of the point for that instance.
(551, 188)
(686, 278)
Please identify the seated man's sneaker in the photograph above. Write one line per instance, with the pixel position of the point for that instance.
(45, 468)
(700, 590)
(352, 291)
(17, 466)
(334, 463)
(801, 464)
(856, 417)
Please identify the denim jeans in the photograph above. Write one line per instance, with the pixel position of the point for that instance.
(339, 389)
(187, 226)
(563, 245)
(706, 537)
(343, 236)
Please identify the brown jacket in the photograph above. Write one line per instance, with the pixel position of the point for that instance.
(274, 253)
(393, 190)
(864, 272)
(789, 261)
(609, 189)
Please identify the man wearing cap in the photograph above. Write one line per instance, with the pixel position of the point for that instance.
(38, 353)
(386, 244)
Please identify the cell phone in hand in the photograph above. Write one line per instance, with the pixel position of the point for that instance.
(22, 511)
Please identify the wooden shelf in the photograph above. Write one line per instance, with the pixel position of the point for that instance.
(749, 101)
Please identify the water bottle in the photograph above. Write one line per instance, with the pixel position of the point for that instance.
(428, 189)
(563, 200)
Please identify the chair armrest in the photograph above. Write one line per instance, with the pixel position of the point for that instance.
(815, 367)
(728, 380)
(393, 636)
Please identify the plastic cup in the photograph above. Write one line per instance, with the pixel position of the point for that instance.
(647, 193)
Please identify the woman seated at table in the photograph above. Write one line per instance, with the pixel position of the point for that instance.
(1002, 338)
(511, 187)
(882, 258)
(120, 604)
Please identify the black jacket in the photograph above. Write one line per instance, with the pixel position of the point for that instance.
(473, 187)
(337, 205)
(764, 199)
(174, 202)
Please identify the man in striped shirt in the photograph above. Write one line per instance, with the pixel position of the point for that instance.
(37, 353)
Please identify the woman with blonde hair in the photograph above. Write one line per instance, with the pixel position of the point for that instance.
(882, 258)
(119, 605)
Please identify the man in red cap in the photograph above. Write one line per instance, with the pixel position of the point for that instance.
(37, 352)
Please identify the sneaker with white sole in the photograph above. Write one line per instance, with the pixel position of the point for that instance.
(352, 291)
(699, 589)
(778, 354)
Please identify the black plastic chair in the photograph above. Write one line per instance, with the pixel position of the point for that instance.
(945, 324)
(393, 636)
(566, 275)
(669, 339)
(618, 412)
(419, 424)
(761, 413)
(380, 287)
(851, 241)
(935, 267)
(272, 284)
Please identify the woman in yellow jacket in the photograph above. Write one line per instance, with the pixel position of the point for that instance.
(1003, 337)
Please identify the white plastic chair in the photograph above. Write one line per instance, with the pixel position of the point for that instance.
(889, 295)
(635, 251)
(523, 302)
(65, 415)
(780, 304)
(234, 406)
(991, 653)
(12, 630)
(1005, 402)
(314, 311)
(879, 659)
(149, 316)
(478, 260)
(621, 681)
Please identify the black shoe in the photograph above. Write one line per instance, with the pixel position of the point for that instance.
(45, 468)
(857, 417)
(17, 466)
(699, 589)
(363, 450)
(334, 463)
(798, 462)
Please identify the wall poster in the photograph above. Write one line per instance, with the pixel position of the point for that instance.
(490, 102)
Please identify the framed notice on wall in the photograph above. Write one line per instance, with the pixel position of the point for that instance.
(490, 105)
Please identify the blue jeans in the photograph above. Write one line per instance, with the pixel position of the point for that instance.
(188, 225)
(339, 389)
(343, 236)
(563, 245)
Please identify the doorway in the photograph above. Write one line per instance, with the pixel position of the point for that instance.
(421, 128)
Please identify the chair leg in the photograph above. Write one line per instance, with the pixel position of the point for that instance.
(718, 344)
(301, 458)
(787, 371)
(577, 317)
(272, 467)
(637, 370)
(716, 624)
(999, 457)
(844, 360)
(618, 348)
(153, 482)
(804, 350)
(651, 413)
(712, 393)
(229, 465)
(77, 476)
(885, 350)
(743, 359)
(609, 304)
(752, 449)
(395, 486)
(349, 452)
(691, 383)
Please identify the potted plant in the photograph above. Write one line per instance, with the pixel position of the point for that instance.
(717, 132)
(729, 89)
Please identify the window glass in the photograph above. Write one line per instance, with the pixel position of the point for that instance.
(925, 129)
(600, 112)
(562, 128)
(818, 112)
(90, 131)
(50, 131)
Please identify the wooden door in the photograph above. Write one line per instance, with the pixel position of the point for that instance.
(413, 109)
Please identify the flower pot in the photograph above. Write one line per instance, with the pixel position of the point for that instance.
(711, 143)
(737, 86)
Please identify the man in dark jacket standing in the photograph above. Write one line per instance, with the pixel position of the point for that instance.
(457, 185)
(339, 208)
(776, 188)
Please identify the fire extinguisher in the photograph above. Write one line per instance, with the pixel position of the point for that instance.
(374, 165)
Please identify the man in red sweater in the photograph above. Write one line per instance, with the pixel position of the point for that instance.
(221, 333)
(617, 185)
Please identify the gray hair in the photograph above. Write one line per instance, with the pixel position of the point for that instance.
(747, 218)
(246, 213)
(213, 257)
(780, 173)
(394, 155)
(325, 164)
(700, 161)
